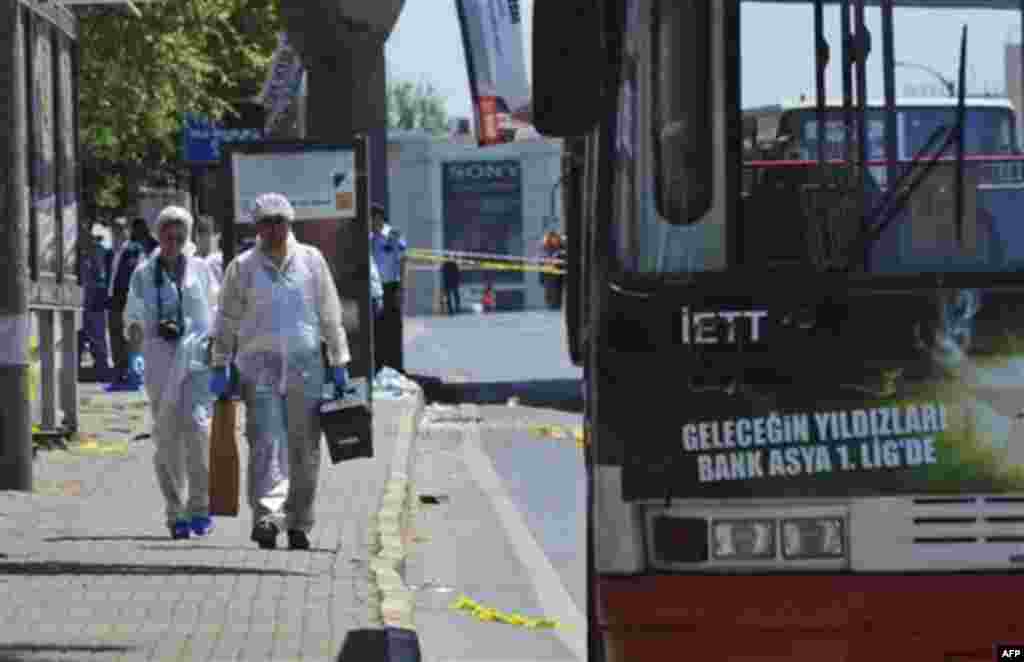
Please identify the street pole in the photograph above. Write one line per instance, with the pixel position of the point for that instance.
(342, 47)
(15, 415)
(338, 118)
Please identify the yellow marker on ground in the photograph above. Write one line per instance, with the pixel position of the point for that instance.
(491, 615)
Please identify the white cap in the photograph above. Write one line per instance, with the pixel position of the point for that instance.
(272, 204)
(174, 214)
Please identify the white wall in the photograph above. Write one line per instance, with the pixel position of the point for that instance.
(417, 207)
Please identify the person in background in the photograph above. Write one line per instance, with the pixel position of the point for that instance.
(245, 238)
(142, 236)
(128, 254)
(450, 279)
(388, 248)
(94, 277)
(487, 300)
(278, 303)
(203, 236)
(168, 317)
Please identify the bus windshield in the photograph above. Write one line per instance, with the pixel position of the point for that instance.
(690, 195)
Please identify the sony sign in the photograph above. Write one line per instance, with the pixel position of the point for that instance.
(479, 170)
(701, 328)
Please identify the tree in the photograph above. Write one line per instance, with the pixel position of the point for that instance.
(139, 75)
(416, 106)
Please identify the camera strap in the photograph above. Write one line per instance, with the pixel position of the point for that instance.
(158, 280)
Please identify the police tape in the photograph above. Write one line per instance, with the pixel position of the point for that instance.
(484, 261)
(491, 615)
(560, 432)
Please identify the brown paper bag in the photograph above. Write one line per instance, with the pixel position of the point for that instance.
(224, 462)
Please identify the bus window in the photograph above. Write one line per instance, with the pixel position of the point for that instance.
(989, 131)
(682, 145)
(835, 136)
(665, 176)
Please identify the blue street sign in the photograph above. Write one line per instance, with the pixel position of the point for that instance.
(201, 139)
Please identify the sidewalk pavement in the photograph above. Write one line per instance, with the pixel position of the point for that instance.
(88, 571)
(480, 589)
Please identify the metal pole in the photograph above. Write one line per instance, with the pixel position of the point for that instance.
(332, 118)
(846, 41)
(889, 75)
(15, 416)
(820, 63)
(861, 72)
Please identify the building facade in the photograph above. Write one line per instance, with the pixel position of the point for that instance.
(1013, 63)
(453, 195)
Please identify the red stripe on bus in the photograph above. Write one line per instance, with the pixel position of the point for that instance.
(879, 162)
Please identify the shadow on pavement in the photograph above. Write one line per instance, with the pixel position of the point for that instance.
(77, 568)
(561, 394)
(27, 652)
(105, 539)
(178, 547)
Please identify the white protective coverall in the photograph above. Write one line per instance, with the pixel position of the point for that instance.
(177, 379)
(273, 319)
(273, 489)
(215, 261)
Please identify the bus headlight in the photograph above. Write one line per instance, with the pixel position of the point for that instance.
(810, 538)
(743, 539)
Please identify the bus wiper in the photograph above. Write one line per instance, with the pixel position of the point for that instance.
(898, 195)
(892, 205)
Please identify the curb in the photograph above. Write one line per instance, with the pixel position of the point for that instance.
(391, 603)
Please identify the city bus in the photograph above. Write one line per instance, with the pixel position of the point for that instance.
(781, 149)
(804, 384)
(790, 130)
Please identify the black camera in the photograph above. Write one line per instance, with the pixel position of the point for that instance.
(169, 330)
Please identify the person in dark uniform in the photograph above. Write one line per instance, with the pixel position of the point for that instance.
(142, 236)
(127, 255)
(94, 270)
(389, 248)
(450, 279)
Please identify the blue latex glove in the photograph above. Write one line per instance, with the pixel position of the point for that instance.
(220, 381)
(136, 367)
(339, 376)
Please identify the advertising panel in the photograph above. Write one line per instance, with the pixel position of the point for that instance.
(492, 36)
(897, 398)
(320, 184)
(483, 213)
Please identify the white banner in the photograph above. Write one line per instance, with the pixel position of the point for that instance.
(283, 82)
(320, 183)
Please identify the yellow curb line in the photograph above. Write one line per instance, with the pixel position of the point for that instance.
(393, 604)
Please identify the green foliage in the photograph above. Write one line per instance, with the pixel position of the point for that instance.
(139, 75)
(416, 106)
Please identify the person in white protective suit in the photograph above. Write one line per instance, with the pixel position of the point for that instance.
(278, 302)
(168, 314)
(273, 457)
